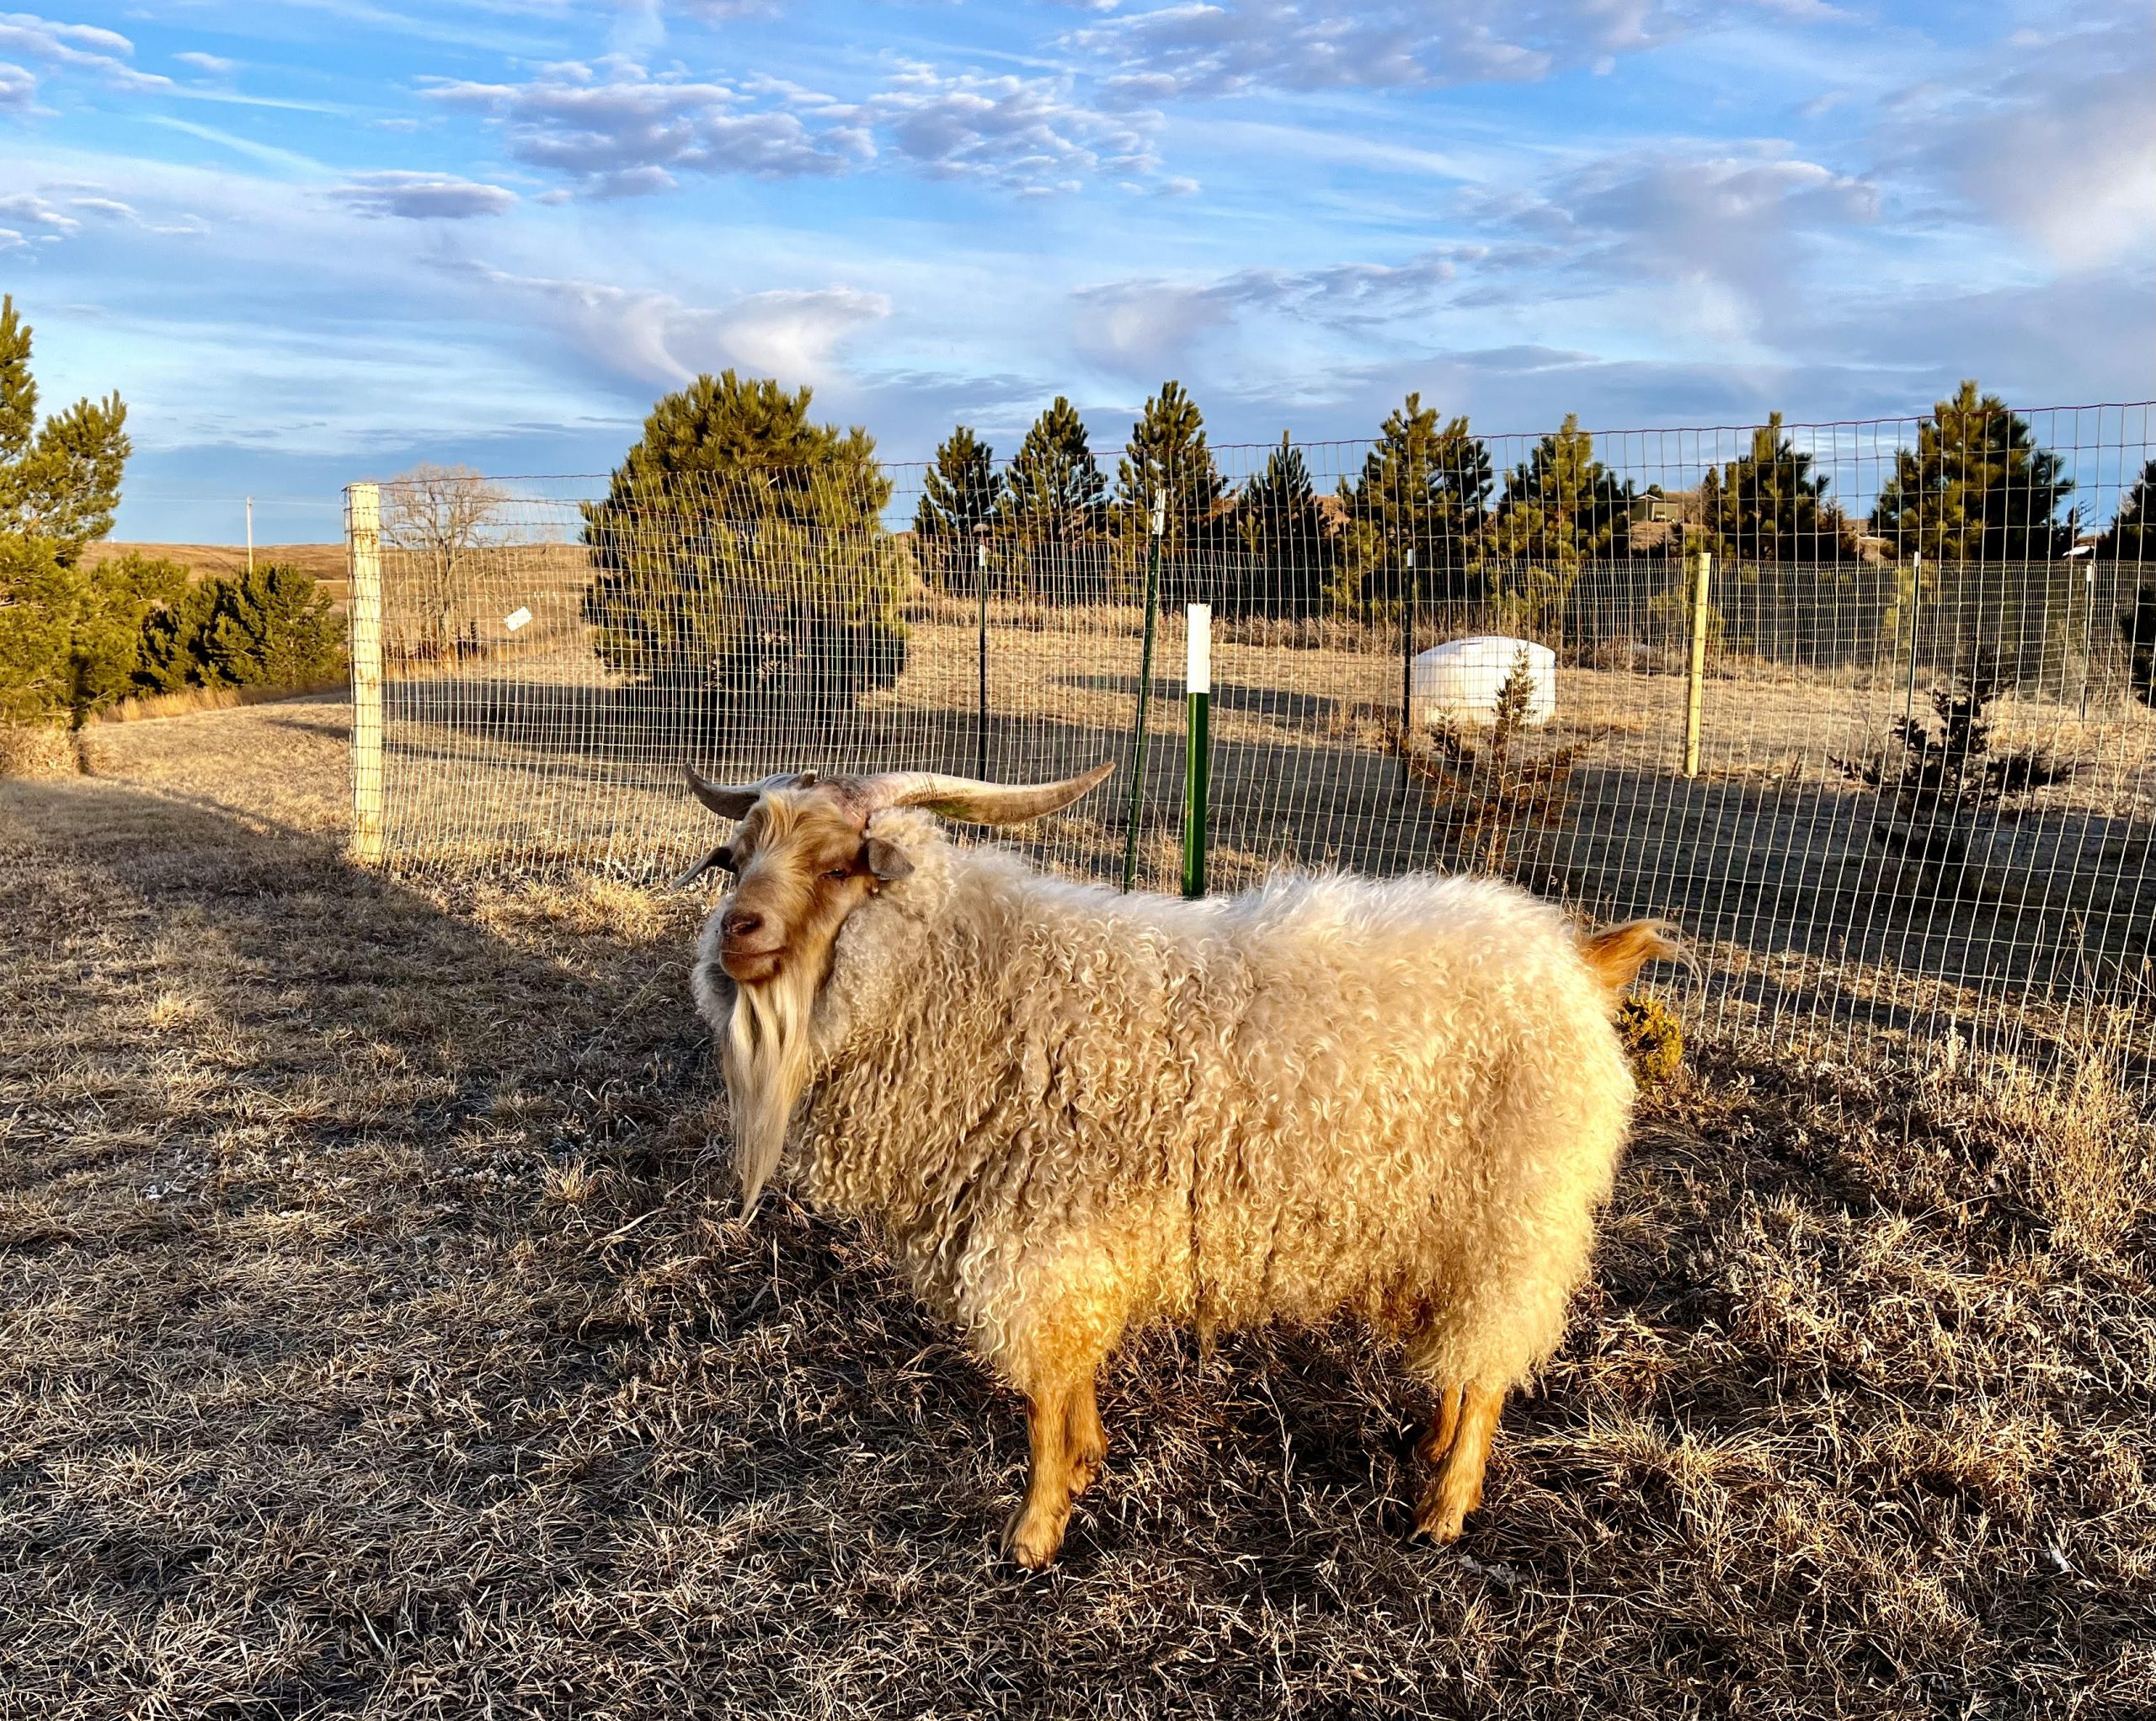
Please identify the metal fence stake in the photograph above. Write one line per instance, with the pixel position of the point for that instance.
(1409, 601)
(980, 737)
(363, 556)
(1145, 694)
(1197, 769)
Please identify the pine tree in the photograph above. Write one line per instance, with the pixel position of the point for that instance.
(1975, 489)
(69, 633)
(1561, 506)
(2137, 627)
(2127, 539)
(1424, 489)
(1055, 493)
(60, 480)
(1167, 456)
(741, 546)
(1286, 539)
(958, 496)
(1769, 505)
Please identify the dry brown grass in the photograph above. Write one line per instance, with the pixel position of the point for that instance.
(375, 1340)
(190, 702)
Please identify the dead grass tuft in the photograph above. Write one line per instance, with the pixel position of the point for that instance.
(375, 1340)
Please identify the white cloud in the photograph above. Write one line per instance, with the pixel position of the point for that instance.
(422, 196)
(1228, 47)
(655, 337)
(79, 47)
(621, 132)
(1028, 133)
(1141, 327)
(210, 65)
(17, 88)
(2053, 138)
(618, 130)
(29, 207)
(1738, 230)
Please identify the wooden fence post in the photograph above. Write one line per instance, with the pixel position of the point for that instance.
(363, 553)
(1696, 692)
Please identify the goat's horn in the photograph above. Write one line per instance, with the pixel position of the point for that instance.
(974, 802)
(732, 800)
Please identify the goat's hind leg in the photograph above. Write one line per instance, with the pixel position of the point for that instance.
(1035, 1530)
(1086, 1440)
(1458, 1444)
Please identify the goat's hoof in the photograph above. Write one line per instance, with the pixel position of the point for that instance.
(1033, 1538)
(1439, 1523)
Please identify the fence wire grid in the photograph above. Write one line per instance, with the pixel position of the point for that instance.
(1887, 754)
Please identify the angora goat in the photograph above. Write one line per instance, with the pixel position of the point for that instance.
(1073, 1112)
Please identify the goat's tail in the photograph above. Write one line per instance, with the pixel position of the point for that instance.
(1617, 954)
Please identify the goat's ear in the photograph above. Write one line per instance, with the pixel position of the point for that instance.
(720, 858)
(887, 860)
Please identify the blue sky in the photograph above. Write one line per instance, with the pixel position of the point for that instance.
(309, 240)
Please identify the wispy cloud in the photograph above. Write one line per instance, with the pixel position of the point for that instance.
(657, 338)
(615, 129)
(415, 196)
(1192, 48)
(78, 47)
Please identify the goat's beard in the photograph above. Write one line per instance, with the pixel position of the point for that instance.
(766, 1060)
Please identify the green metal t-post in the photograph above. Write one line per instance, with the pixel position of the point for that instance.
(1145, 692)
(1198, 769)
(981, 726)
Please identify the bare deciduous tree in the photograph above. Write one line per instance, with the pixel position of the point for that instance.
(438, 517)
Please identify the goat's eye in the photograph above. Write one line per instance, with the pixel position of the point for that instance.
(841, 873)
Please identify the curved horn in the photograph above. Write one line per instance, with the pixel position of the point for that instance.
(732, 800)
(974, 802)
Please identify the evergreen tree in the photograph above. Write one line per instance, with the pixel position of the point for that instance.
(1286, 539)
(60, 480)
(1424, 489)
(70, 632)
(958, 497)
(2137, 627)
(2127, 539)
(270, 627)
(70, 636)
(741, 546)
(1975, 488)
(1560, 505)
(1167, 456)
(1055, 492)
(1769, 505)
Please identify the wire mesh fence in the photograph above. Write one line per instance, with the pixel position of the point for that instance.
(1866, 708)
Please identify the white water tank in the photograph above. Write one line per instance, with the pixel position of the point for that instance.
(1460, 678)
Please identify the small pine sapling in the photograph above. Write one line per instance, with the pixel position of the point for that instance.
(1946, 777)
(1498, 798)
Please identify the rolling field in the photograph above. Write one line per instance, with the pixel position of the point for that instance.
(376, 1338)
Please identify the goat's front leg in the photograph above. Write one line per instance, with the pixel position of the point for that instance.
(1035, 1530)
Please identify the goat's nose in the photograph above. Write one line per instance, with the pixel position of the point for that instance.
(738, 924)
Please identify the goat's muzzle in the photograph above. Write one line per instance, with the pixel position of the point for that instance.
(746, 951)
